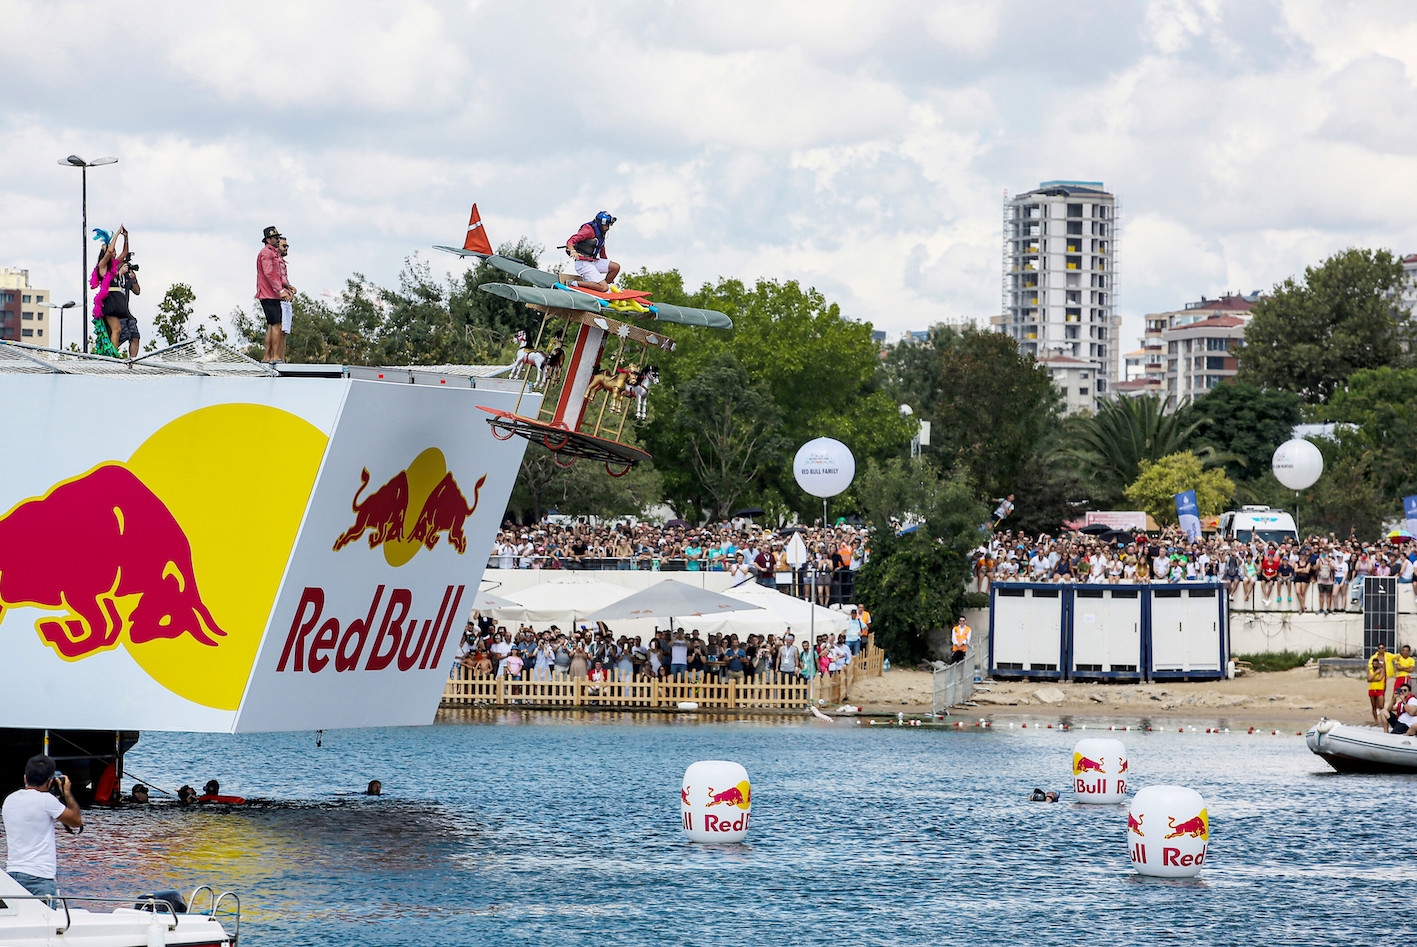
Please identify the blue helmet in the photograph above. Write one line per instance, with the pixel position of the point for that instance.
(604, 219)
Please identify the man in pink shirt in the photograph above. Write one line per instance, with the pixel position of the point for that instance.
(271, 289)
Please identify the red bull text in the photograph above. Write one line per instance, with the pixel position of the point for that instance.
(315, 643)
(90, 542)
(1099, 785)
(713, 823)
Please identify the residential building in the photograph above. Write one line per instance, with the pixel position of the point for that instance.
(1077, 379)
(1059, 289)
(23, 317)
(1188, 351)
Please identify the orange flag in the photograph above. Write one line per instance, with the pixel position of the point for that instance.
(477, 240)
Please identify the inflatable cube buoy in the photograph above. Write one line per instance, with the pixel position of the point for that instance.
(1168, 831)
(715, 801)
(1100, 770)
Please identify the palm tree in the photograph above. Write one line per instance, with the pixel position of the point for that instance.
(1111, 445)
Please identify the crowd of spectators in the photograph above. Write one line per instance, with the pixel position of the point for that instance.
(1255, 571)
(598, 654)
(751, 553)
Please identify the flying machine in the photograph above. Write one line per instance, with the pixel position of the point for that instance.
(594, 371)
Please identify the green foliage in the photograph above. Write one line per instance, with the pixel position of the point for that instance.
(1283, 660)
(915, 582)
(1157, 483)
(1112, 445)
(988, 405)
(173, 314)
(1246, 422)
(582, 489)
(732, 427)
(1310, 337)
(814, 367)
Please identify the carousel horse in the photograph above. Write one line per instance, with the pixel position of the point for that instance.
(613, 383)
(639, 389)
(545, 363)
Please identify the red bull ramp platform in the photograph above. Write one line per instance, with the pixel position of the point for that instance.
(196, 541)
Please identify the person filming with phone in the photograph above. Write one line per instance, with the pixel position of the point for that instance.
(29, 816)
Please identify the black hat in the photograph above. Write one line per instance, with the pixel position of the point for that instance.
(269, 232)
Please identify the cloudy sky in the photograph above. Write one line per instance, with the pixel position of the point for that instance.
(862, 148)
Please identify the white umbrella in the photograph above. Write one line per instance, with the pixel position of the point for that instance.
(670, 599)
(559, 603)
(486, 601)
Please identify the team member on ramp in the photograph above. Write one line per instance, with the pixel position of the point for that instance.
(587, 248)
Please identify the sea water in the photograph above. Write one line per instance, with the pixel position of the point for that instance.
(539, 828)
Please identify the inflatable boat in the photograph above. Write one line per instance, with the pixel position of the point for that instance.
(1362, 749)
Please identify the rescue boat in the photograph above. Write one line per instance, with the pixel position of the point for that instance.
(1362, 749)
(163, 918)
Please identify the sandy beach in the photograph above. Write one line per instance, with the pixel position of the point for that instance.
(1294, 698)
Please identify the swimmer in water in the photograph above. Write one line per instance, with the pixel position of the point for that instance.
(1039, 795)
(376, 788)
(139, 794)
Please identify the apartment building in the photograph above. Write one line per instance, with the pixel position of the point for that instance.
(1188, 351)
(1059, 287)
(23, 317)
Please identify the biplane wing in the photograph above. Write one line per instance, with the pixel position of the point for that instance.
(461, 252)
(537, 296)
(710, 318)
(524, 272)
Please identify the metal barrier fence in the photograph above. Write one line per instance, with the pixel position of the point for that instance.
(771, 691)
(953, 685)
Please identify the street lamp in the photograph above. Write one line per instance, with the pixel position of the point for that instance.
(68, 305)
(74, 161)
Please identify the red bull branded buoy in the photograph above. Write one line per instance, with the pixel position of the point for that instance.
(1168, 831)
(715, 801)
(1100, 770)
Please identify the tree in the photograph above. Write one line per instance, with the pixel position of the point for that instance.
(1245, 421)
(732, 428)
(1113, 444)
(989, 406)
(173, 314)
(1309, 337)
(583, 489)
(914, 582)
(815, 365)
(1157, 483)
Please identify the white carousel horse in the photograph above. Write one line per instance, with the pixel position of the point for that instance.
(638, 388)
(545, 363)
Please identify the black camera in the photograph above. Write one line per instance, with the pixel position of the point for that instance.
(56, 786)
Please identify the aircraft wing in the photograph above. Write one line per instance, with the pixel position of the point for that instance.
(461, 252)
(527, 274)
(710, 318)
(554, 298)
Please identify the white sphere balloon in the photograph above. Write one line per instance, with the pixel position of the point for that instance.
(1297, 464)
(824, 467)
(715, 801)
(1099, 767)
(1168, 832)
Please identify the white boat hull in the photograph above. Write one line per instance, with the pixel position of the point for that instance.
(1362, 749)
(29, 922)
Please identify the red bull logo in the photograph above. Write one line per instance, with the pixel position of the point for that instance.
(1134, 824)
(315, 642)
(1082, 764)
(1196, 827)
(740, 795)
(387, 514)
(105, 551)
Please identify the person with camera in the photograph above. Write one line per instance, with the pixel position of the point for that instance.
(115, 276)
(29, 816)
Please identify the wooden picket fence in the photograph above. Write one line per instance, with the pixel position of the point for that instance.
(772, 691)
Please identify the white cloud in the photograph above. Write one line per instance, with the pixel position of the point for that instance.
(862, 148)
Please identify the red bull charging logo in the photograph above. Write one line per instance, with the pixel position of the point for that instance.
(158, 556)
(107, 553)
(413, 510)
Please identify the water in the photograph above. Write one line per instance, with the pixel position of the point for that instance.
(514, 828)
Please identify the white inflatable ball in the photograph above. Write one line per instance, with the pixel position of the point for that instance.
(1168, 831)
(1100, 770)
(715, 801)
